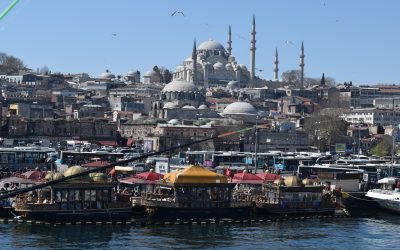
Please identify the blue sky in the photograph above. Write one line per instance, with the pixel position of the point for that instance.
(356, 40)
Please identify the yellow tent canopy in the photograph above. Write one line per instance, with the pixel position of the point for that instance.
(195, 174)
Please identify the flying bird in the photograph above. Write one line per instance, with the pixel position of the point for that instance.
(261, 70)
(239, 36)
(290, 42)
(177, 12)
(114, 34)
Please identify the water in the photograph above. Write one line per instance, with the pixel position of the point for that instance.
(377, 231)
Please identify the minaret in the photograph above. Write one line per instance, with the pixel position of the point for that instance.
(302, 65)
(323, 80)
(253, 51)
(194, 62)
(229, 49)
(276, 62)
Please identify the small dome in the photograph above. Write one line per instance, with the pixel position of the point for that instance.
(211, 45)
(188, 107)
(170, 105)
(233, 85)
(228, 66)
(293, 181)
(131, 72)
(180, 85)
(218, 66)
(239, 108)
(308, 182)
(174, 122)
(53, 176)
(242, 66)
(189, 59)
(98, 177)
(203, 107)
(279, 182)
(107, 75)
(73, 170)
(150, 73)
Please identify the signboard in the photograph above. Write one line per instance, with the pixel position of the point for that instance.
(162, 167)
(148, 146)
(340, 147)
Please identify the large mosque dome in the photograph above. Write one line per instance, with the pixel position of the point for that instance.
(180, 85)
(151, 73)
(107, 75)
(210, 45)
(240, 108)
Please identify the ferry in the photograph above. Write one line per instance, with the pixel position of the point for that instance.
(294, 196)
(194, 192)
(83, 199)
(388, 196)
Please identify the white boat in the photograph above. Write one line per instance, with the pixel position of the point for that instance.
(385, 196)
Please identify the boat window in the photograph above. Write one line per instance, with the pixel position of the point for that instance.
(77, 195)
(64, 196)
(58, 196)
(71, 195)
(105, 195)
(92, 195)
(87, 195)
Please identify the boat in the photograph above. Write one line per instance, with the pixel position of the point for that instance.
(194, 192)
(294, 196)
(84, 199)
(388, 196)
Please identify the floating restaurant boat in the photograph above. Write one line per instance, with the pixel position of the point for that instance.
(388, 196)
(83, 199)
(293, 196)
(194, 192)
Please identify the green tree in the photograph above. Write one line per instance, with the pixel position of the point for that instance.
(381, 149)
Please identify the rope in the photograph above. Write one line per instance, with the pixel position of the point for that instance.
(358, 197)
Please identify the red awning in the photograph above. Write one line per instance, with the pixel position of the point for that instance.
(108, 143)
(96, 164)
(33, 175)
(269, 176)
(246, 178)
(149, 176)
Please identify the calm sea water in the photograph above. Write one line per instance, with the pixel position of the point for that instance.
(377, 231)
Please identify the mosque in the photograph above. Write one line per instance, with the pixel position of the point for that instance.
(210, 65)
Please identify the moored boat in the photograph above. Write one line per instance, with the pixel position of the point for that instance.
(388, 196)
(84, 199)
(194, 192)
(292, 196)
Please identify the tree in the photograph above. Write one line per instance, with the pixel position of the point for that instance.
(44, 70)
(291, 76)
(381, 149)
(166, 76)
(10, 64)
(325, 127)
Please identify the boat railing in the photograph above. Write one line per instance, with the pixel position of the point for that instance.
(162, 200)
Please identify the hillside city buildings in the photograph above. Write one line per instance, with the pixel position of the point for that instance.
(207, 94)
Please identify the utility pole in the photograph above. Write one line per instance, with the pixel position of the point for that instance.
(256, 145)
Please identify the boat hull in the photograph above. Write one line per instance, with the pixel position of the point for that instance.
(278, 209)
(388, 200)
(93, 215)
(205, 213)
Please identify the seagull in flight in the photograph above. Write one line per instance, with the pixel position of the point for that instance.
(177, 12)
(114, 34)
(261, 70)
(239, 36)
(290, 42)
